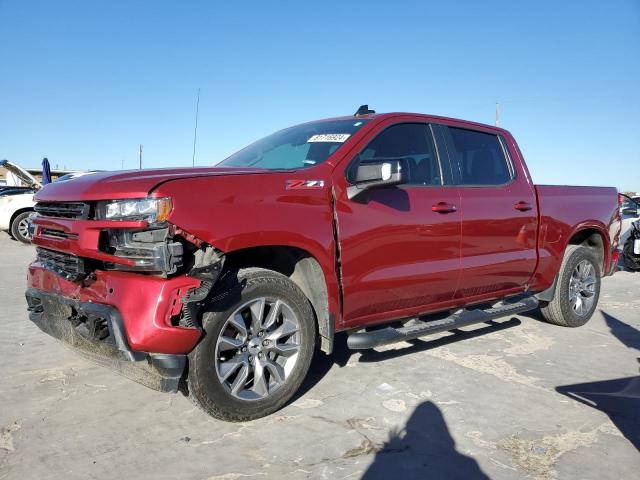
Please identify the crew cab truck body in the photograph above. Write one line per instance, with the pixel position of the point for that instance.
(225, 280)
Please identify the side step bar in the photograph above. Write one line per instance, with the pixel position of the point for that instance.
(419, 328)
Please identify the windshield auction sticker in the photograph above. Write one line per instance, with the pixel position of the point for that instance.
(329, 137)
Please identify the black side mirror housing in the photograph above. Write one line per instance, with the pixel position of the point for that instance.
(376, 173)
(632, 212)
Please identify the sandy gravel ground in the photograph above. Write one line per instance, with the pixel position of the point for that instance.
(496, 401)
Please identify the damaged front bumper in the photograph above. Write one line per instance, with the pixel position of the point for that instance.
(124, 321)
(97, 333)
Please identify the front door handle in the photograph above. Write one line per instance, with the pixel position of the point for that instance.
(443, 207)
(523, 206)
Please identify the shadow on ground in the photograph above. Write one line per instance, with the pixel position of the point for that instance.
(619, 398)
(322, 363)
(424, 449)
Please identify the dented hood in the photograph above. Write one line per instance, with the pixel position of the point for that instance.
(129, 183)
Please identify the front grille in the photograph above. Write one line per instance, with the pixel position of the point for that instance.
(66, 265)
(79, 210)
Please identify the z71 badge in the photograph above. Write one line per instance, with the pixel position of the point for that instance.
(297, 184)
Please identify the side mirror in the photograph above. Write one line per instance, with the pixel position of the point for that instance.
(376, 173)
(630, 211)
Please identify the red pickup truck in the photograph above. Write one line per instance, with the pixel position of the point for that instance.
(221, 282)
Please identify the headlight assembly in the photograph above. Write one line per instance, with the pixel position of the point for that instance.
(152, 210)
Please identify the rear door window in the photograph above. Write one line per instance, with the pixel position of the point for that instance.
(479, 157)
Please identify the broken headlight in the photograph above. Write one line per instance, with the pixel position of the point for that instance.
(152, 210)
(151, 251)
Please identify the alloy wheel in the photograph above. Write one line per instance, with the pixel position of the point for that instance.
(23, 228)
(257, 348)
(582, 288)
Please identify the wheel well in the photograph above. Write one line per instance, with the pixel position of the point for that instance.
(591, 239)
(18, 212)
(303, 270)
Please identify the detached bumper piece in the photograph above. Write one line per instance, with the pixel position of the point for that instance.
(97, 333)
(416, 328)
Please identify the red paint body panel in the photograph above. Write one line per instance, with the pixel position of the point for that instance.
(237, 212)
(126, 184)
(398, 257)
(86, 232)
(563, 215)
(499, 241)
(144, 302)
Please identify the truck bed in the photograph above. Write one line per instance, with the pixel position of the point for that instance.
(565, 210)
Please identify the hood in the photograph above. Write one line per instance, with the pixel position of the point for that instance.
(129, 183)
(24, 176)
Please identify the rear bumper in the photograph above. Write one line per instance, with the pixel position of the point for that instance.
(84, 325)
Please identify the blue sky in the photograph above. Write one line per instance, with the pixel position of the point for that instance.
(85, 82)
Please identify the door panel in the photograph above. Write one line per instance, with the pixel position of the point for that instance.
(400, 247)
(397, 254)
(499, 222)
(498, 249)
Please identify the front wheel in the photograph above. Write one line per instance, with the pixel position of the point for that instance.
(257, 348)
(20, 227)
(577, 289)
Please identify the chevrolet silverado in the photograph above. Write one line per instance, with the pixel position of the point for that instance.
(221, 282)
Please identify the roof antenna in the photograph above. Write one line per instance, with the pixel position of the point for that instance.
(363, 110)
(195, 131)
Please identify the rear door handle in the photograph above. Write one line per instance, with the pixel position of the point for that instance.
(523, 206)
(443, 207)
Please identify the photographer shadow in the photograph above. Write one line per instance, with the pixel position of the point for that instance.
(425, 450)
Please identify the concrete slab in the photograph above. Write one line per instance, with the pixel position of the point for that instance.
(495, 401)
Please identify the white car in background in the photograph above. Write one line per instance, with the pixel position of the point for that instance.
(16, 202)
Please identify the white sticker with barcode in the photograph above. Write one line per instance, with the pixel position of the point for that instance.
(330, 137)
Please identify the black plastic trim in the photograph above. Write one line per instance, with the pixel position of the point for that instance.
(51, 313)
(420, 328)
(548, 294)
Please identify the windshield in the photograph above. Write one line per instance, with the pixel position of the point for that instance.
(296, 147)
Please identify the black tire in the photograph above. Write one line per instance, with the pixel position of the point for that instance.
(205, 388)
(559, 310)
(631, 260)
(16, 227)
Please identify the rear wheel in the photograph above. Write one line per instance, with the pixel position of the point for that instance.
(577, 289)
(20, 227)
(257, 348)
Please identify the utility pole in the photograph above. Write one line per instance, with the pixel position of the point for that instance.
(140, 157)
(497, 114)
(122, 167)
(195, 131)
